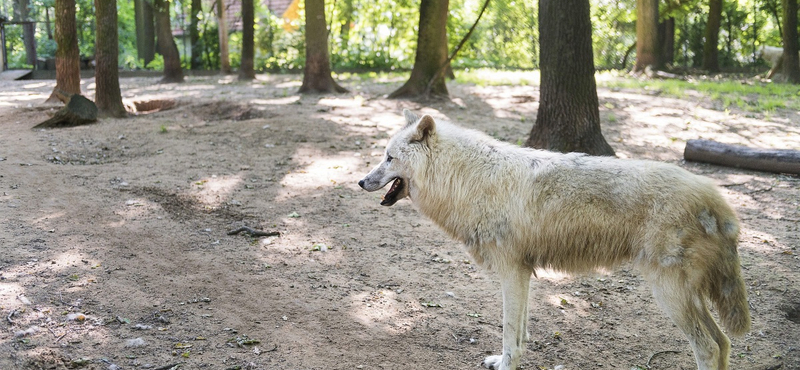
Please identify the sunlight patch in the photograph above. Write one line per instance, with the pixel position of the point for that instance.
(279, 101)
(323, 173)
(213, 191)
(379, 309)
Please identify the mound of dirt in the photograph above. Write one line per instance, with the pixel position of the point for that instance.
(223, 111)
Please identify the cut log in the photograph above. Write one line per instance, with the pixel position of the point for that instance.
(768, 160)
(78, 111)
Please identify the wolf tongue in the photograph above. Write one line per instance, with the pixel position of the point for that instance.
(390, 197)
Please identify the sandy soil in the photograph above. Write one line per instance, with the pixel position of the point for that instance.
(115, 253)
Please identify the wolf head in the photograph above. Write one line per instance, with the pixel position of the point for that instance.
(406, 151)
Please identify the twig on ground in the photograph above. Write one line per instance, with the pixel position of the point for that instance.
(10, 315)
(58, 338)
(254, 232)
(656, 354)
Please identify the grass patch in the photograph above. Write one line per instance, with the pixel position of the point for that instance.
(757, 97)
(493, 77)
(375, 77)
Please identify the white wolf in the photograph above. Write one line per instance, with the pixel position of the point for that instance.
(519, 209)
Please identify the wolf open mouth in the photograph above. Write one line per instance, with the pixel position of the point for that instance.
(392, 196)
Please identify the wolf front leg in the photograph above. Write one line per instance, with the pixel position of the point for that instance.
(515, 283)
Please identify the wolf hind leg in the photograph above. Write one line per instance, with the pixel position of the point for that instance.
(686, 307)
(515, 283)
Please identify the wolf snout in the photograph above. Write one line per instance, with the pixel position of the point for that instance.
(361, 184)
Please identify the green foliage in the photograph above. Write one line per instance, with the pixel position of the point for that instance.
(382, 34)
(491, 77)
(614, 25)
(157, 63)
(126, 30)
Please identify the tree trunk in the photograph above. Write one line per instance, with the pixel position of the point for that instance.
(431, 52)
(145, 31)
(317, 72)
(77, 111)
(47, 23)
(68, 63)
(22, 13)
(769, 160)
(246, 71)
(666, 39)
(173, 72)
(222, 25)
(194, 34)
(107, 95)
(344, 30)
(791, 61)
(646, 35)
(710, 48)
(568, 119)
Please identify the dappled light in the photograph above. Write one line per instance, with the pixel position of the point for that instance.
(214, 190)
(277, 101)
(130, 229)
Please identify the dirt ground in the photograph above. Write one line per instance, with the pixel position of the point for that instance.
(115, 253)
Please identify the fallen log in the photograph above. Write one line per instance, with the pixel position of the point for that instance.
(78, 111)
(768, 160)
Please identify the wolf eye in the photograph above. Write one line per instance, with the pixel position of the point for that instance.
(389, 158)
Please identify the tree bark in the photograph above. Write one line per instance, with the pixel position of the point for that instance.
(769, 160)
(431, 52)
(646, 35)
(194, 34)
(568, 119)
(107, 93)
(222, 26)
(173, 72)
(246, 71)
(77, 111)
(145, 31)
(666, 40)
(791, 61)
(710, 48)
(317, 72)
(68, 64)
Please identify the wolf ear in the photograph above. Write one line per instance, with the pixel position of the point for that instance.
(425, 128)
(411, 118)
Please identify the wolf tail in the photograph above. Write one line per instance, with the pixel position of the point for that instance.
(727, 289)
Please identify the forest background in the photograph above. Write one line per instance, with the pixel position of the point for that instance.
(381, 35)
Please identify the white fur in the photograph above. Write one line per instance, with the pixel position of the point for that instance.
(518, 210)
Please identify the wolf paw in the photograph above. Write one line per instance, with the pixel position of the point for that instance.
(493, 362)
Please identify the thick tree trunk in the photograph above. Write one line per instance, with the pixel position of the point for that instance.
(666, 40)
(646, 35)
(77, 111)
(173, 72)
(222, 25)
(194, 34)
(791, 61)
(568, 119)
(769, 160)
(107, 95)
(68, 64)
(246, 71)
(431, 52)
(710, 48)
(317, 72)
(145, 31)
